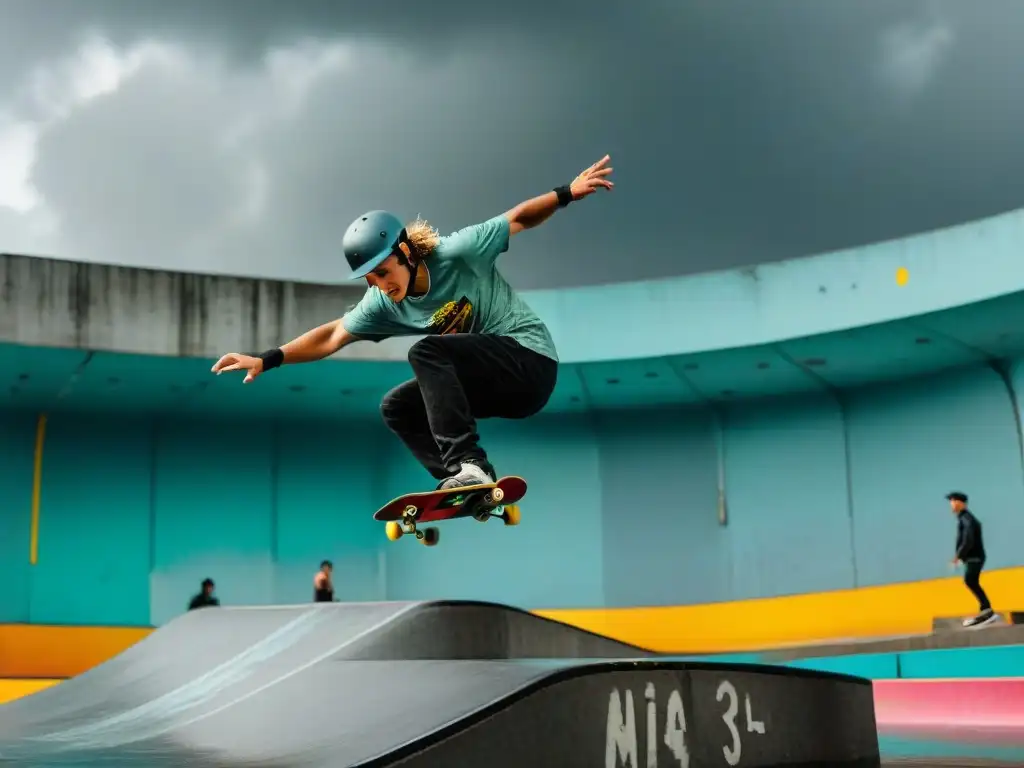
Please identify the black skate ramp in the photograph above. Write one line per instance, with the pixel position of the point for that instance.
(429, 714)
(395, 684)
(464, 629)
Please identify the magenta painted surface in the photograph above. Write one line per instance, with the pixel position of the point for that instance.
(965, 709)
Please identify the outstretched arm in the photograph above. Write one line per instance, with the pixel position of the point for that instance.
(537, 210)
(315, 344)
(318, 343)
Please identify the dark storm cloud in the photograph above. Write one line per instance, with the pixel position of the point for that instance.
(740, 131)
(348, 150)
(244, 29)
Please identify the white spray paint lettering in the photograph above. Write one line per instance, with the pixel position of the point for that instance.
(621, 746)
(734, 751)
(620, 732)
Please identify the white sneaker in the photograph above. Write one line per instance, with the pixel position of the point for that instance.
(982, 618)
(469, 474)
(987, 618)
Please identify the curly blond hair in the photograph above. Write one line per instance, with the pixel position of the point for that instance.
(423, 238)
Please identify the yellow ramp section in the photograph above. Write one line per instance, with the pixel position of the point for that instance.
(47, 651)
(16, 689)
(750, 625)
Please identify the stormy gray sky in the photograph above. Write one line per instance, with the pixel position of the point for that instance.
(242, 137)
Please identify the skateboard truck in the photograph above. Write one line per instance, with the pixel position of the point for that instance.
(396, 528)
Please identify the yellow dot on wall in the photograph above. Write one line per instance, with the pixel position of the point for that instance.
(902, 275)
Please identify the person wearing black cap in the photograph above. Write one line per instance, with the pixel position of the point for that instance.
(970, 550)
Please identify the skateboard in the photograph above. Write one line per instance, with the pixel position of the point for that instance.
(403, 514)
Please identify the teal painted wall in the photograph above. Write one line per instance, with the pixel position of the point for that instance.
(553, 558)
(17, 443)
(258, 510)
(213, 514)
(913, 442)
(327, 478)
(822, 492)
(789, 524)
(135, 513)
(662, 544)
(951, 663)
(94, 524)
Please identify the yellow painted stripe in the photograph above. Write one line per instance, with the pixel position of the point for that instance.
(37, 487)
(47, 651)
(751, 625)
(16, 689)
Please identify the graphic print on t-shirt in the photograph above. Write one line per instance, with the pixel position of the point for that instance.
(453, 317)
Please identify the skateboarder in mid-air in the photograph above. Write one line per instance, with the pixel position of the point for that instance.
(485, 353)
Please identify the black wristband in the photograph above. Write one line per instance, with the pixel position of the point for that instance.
(272, 358)
(564, 193)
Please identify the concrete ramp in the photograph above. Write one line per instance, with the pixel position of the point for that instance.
(319, 686)
(208, 647)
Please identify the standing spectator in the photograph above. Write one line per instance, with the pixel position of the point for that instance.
(970, 550)
(205, 598)
(323, 586)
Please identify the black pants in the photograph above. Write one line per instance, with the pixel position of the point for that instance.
(461, 378)
(972, 578)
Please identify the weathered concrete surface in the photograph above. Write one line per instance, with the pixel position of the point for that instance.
(54, 303)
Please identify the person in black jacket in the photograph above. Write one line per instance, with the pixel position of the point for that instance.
(205, 598)
(970, 550)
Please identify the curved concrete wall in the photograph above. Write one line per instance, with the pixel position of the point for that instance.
(149, 312)
(789, 299)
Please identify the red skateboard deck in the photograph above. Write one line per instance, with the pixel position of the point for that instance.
(404, 513)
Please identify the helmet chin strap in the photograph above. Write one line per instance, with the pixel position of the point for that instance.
(405, 257)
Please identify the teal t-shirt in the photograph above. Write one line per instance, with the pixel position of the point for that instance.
(467, 295)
